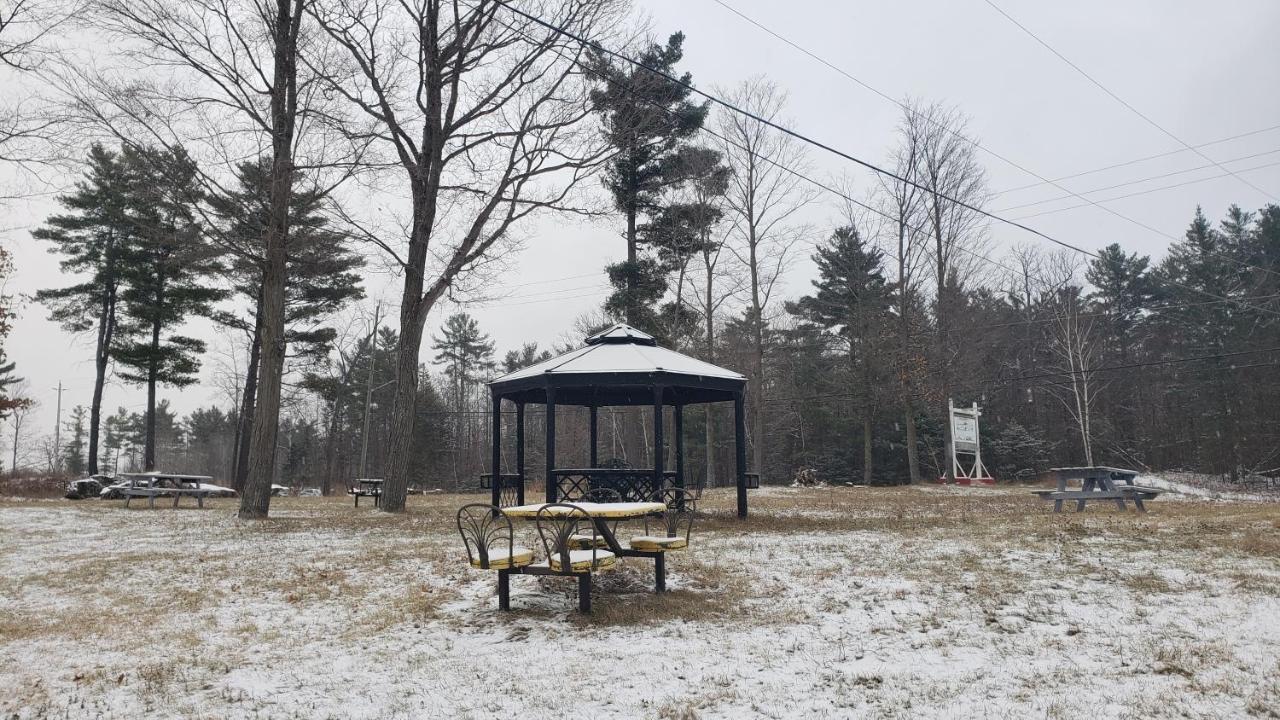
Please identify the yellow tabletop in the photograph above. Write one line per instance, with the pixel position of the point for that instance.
(601, 510)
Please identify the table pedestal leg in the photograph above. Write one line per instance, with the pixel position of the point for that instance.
(584, 593)
(504, 590)
(660, 572)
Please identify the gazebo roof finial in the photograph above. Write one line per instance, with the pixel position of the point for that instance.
(621, 334)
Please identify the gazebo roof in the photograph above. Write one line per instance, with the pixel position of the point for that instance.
(620, 366)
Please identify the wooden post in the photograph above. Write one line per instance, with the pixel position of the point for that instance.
(679, 431)
(740, 447)
(657, 439)
(520, 451)
(495, 461)
(551, 445)
(595, 437)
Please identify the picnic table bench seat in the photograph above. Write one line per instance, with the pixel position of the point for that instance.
(658, 543)
(504, 559)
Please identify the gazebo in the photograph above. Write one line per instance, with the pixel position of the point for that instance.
(620, 366)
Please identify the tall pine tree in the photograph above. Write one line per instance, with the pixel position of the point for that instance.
(167, 279)
(95, 236)
(852, 300)
(649, 119)
(321, 270)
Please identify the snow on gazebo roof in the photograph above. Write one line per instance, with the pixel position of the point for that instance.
(620, 356)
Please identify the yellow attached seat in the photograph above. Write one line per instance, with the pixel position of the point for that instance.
(586, 541)
(580, 561)
(500, 560)
(659, 543)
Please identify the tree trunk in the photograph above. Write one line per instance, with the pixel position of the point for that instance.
(944, 364)
(904, 358)
(331, 446)
(102, 358)
(711, 358)
(248, 402)
(757, 359)
(866, 449)
(149, 445)
(404, 407)
(256, 499)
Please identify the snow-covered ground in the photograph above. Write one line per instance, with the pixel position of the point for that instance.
(827, 603)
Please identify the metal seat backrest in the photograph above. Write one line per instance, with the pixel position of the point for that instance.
(484, 527)
(677, 519)
(601, 495)
(557, 525)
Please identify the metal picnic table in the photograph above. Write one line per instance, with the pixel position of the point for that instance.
(1097, 483)
(602, 516)
(149, 485)
(367, 487)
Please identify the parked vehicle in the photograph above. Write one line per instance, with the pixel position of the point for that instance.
(89, 487)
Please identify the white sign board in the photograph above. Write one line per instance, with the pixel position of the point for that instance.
(964, 431)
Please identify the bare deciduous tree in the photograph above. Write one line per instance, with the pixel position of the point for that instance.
(903, 207)
(28, 128)
(765, 194)
(483, 115)
(954, 183)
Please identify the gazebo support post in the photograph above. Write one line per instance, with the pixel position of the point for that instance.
(658, 454)
(595, 437)
(520, 451)
(496, 459)
(740, 450)
(679, 431)
(552, 490)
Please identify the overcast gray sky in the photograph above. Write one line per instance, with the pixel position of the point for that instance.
(1204, 71)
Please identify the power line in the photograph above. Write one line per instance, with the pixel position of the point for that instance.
(1161, 188)
(974, 143)
(1149, 178)
(1121, 100)
(835, 151)
(1143, 159)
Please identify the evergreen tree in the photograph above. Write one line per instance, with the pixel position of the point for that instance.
(321, 269)
(73, 454)
(96, 236)
(208, 433)
(8, 403)
(167, 279)
(1121, 284)
(648, 119)
(467, 355)
(852, 299)
(527, 355)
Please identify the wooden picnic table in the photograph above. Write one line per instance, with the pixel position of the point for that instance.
(603, 516)
(1097, 483)
(149, 485)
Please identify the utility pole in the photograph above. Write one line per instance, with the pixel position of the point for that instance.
(57, 433)
(368, 392)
